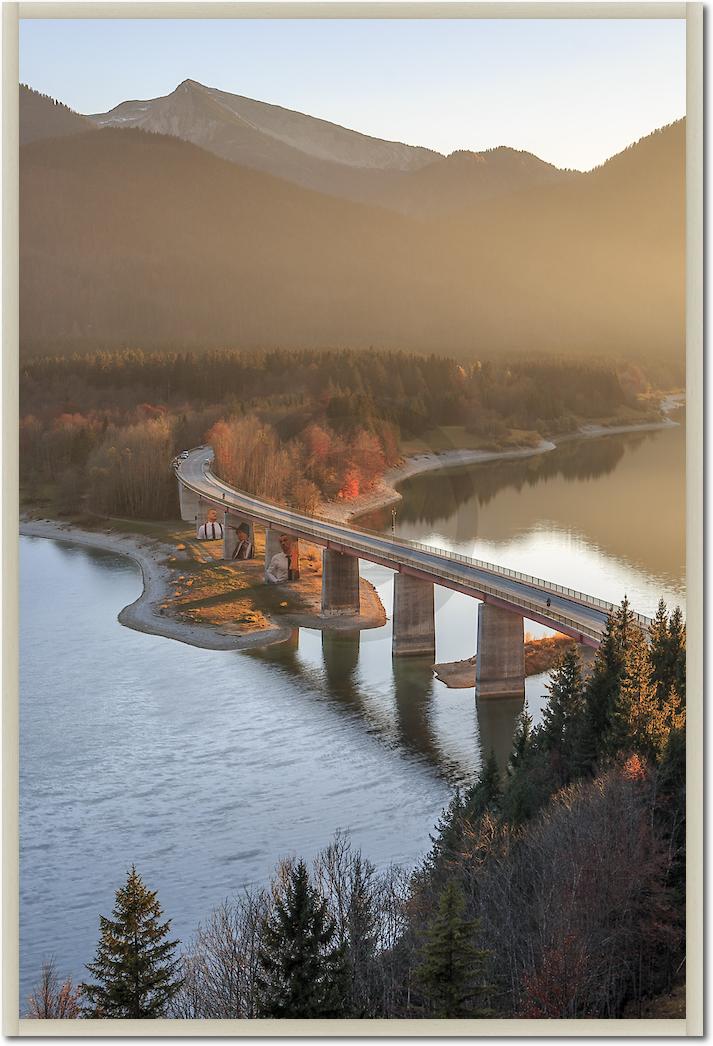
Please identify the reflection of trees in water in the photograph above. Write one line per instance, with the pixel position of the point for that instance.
(436, 495)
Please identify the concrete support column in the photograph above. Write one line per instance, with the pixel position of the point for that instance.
(293, 557)
(272, 546)
(340, 584)
(500, 661)
(230, 537)
(414, 631)
(231, 522)
(190, 504)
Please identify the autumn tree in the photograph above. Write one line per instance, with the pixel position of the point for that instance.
(50, 1000)
(135, 971)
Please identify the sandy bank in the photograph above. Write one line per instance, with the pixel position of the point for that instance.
(541, 655)
(145, 614)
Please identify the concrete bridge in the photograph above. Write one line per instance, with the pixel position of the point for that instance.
(506, 597)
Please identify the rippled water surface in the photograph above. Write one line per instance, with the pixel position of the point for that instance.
(204, 767)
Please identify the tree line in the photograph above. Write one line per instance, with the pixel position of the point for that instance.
(103, 427)
(555, 889)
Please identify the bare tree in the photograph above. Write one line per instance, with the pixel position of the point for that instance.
(50, 1000)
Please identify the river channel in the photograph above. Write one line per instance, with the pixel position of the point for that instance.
(205, 767)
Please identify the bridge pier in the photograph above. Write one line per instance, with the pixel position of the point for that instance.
(340, 584)
(500, 660)
(190, 504)
(414, 630)
(230, 536)
(272, 546)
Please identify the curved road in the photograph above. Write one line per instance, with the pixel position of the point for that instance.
(574, 613)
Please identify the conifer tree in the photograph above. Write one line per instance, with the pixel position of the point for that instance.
(677, 652)
(303, 970)
(451, 971)
(485, 794)
(135, 971)
(562, 717)
(659, 649)
(449, 831)
(603, 687)
(522, 745)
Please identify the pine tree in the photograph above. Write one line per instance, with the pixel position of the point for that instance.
(677, 652)
(451, 971)
(134, 967)
(529, 780)
(603, 687)
(522, 746)
(659, 649)
(304, 972)
(446, 842)
(485, 794)
(562, 717)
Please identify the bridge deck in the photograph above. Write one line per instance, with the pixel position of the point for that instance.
(573, 613)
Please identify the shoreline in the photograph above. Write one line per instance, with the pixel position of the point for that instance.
(385, 492)
(144, 614)
(151, 555)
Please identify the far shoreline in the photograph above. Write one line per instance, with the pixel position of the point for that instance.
(386, 491)
(145, 613)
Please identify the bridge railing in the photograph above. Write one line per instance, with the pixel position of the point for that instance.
(492, 568)
(402, 544)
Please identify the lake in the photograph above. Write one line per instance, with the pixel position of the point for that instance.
(205, 767)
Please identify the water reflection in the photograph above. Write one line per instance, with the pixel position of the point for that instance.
(593, 513)
(413, 694)
(497, 719)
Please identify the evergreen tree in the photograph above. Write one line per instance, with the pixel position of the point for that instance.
(677, 652)
(446, 843)
(304, 972)
(602, 690)
(135, 971)
(529, 781)
(522, 746)
(562, 718)
(484, 796)
(659, 649)
(451, 971)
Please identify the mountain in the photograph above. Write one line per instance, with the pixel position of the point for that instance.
(324, 156)
(43, 117)
(130, 238)
(465, 179)
(302, 149)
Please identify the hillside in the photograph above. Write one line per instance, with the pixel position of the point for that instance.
(43, 117)
(327, 157)
(131, 238)
(303, 149)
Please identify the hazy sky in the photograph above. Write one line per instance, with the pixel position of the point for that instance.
(571, 91)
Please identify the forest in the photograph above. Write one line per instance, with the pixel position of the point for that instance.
(554, 888)
(100, 429)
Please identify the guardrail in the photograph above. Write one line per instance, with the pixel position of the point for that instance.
(402, 545)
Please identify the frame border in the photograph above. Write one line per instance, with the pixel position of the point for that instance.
(692, 1025)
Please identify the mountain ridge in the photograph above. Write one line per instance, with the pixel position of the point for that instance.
(139, 239)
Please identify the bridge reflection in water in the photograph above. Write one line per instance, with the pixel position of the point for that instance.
(506, 596)
(407, 709)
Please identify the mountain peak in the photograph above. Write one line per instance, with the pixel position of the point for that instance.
(190, 85)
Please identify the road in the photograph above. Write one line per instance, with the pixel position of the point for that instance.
(574, 613)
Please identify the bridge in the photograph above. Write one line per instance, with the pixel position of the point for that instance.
(507, 597)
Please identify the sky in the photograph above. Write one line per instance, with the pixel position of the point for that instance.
(572, 91)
